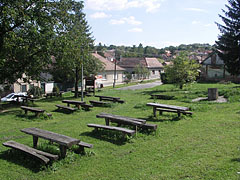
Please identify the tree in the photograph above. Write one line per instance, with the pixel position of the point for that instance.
(183, 70)
(26, 31)
(73, 43)
(228, 44)
(141, 71)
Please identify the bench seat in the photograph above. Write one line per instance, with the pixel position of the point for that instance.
(65, 107)
(173, 111)
(40, 155)
(113, 128)
(99, 103)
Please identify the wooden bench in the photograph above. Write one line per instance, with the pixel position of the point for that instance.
(126, 121)
(76, 103)
(99, 103)
(40, 155)
(63, 141)
(173, 111)
(86, 107)
(113, 128)
(54, 94)
(35, 110)
(169, 108)
(83, 145)
(65, 108)
(161, 96)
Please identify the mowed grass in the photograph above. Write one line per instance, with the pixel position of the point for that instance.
(202, 146)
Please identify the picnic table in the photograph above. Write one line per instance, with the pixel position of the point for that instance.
(76, 103)
(126, 121)
(57, 94)
(168, 108)
(35, 110)
(63, 141)
(109, 98)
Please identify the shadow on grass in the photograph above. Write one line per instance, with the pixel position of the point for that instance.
(10, 112)
(236, 160)
(112, 137)
(30, 117)
(165, 118)
(63, 111)
(22, 159)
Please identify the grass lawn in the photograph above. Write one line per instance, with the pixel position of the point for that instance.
(202, 146)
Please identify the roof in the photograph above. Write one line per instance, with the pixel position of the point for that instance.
(108, 65)
(132, 62)
(153, 63)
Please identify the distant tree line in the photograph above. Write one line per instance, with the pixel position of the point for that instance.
(149, 51)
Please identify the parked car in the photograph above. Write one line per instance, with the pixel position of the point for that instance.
(12, 97)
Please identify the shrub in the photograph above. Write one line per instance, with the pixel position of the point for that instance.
(35, 91)
(56, 89)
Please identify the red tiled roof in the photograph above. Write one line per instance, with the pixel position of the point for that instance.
(153, 63)
(132, 62)
(107, 64)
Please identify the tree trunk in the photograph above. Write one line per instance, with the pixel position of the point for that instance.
(76, 81)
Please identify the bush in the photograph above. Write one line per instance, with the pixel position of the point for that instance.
(56, 89)
(35, 91)
(164, 78)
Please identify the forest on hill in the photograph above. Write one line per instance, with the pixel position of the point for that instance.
(149, 51)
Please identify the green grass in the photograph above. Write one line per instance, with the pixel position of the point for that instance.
(204, 146)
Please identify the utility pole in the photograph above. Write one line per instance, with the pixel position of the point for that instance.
(115, 72)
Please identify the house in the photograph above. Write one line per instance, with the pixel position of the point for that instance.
(213, 69)
(106, 78)
(21, 86)
(152, 64)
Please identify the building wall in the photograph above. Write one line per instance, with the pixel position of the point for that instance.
(21, 86)
(106, 78)
(154, 73)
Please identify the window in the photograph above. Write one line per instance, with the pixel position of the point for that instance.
(23, 88)
(153, 71)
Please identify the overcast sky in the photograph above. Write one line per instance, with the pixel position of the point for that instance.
(157, 23)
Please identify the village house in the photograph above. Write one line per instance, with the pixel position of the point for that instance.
(152, 64)
(106, 78)
(213, 69)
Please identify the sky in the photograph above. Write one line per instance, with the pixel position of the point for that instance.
(157, 23)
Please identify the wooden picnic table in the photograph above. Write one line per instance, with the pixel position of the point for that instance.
(63, 141)
(126, 121)
(166, 107)
(76, 103)
(32, 109)
(109, 98)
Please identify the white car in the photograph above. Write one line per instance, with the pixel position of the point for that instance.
(11, 97)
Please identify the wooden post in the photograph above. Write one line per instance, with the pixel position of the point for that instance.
(107, 121)
(63, 151)
(212, 94)
(35, 141)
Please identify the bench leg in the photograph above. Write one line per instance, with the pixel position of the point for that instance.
(107, 121)
(63, 151)
(160, 112)
(26, 112)
(35, 141)
(154, 111)
(179, 113)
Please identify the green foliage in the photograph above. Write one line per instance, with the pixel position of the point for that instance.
(228, 44)
(183, 71)
(56, 89)
(141, 72)
(35, 91)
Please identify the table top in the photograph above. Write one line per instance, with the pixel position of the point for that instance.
(166, 106)
(121, 119)
(58, 138)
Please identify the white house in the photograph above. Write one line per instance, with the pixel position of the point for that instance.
(106, 78)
